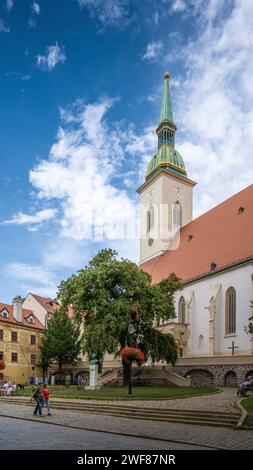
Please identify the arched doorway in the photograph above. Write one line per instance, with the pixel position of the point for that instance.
(59, 378)
(84, 377)
(230, 379)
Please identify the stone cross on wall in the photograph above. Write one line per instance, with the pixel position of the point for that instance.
(233, 347)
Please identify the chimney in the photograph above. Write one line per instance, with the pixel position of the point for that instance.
(17, 308)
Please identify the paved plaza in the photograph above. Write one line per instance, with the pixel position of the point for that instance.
(214, 402)
(94, 430)
(26, 435)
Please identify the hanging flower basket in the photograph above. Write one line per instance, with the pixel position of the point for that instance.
(132, 354)
(2, 364)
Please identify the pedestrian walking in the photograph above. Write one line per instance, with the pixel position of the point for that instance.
(46, 395)
(37, 395)
(79, 380)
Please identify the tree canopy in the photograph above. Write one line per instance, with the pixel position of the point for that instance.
(102, 296)
(62, 342)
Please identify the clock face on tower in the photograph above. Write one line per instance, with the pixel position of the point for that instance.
(177, 192)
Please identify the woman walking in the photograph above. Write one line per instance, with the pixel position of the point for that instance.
(46, 399)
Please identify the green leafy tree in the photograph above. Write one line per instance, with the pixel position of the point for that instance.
(249, 327)
(62, 341)
(103, 295)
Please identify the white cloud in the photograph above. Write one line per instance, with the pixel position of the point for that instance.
(27, 219)
(36, 8)
(54, 55)
(9, 5)
(155, 18)
(32, 23)
(3, 27)
(214, 104)
(32, 278)
(78, 173)
(153, 50)
(109, 12)
(178, 6)
(144, 146)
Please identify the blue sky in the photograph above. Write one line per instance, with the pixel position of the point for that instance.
(81, 84)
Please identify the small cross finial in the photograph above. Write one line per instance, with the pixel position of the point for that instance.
(166, 75)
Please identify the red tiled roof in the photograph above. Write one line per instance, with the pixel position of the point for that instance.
(51, 306)
(26, 314)
(223, 236)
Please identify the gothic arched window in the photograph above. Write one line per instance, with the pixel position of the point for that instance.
(230, 313)
(177, 214)
(181, 310)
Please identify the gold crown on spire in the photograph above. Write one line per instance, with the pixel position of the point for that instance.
(166, 75)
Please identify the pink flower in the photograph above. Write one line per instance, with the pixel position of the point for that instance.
(131, 354)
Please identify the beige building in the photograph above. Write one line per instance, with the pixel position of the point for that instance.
(20, 334)
(43, 308)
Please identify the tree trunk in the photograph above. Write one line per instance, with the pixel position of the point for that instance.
(126, 372)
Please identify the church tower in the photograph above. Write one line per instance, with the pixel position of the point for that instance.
(166, 195)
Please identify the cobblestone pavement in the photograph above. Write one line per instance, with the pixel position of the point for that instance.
(215, 437)
(214, 402)
(25, 435)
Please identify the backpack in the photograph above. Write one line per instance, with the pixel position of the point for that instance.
(35, 394)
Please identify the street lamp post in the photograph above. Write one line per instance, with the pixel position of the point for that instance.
(134, 339)
(131, 342)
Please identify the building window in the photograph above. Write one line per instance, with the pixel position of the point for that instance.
(1, 355)
(177, 214)
(230, 314)
(181, 310)
(1, 335)
(150, 218)
(5, 313)
(213, 266)
(14, 357)
(14, 336)
(33, 359)
(31, 320)
(33, 339)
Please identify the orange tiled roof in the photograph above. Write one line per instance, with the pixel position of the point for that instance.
(26, 314)
(50, 305)
(223, 236)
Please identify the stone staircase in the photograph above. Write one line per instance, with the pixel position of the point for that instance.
(205, 418)
(145, 375)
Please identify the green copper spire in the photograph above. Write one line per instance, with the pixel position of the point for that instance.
(166, 156)
(166, 109)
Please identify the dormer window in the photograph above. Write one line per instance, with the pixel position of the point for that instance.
(240, 210)
(5, 313)
(213, 266)
(31, 320)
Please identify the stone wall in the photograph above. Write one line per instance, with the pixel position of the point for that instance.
(218, 375)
